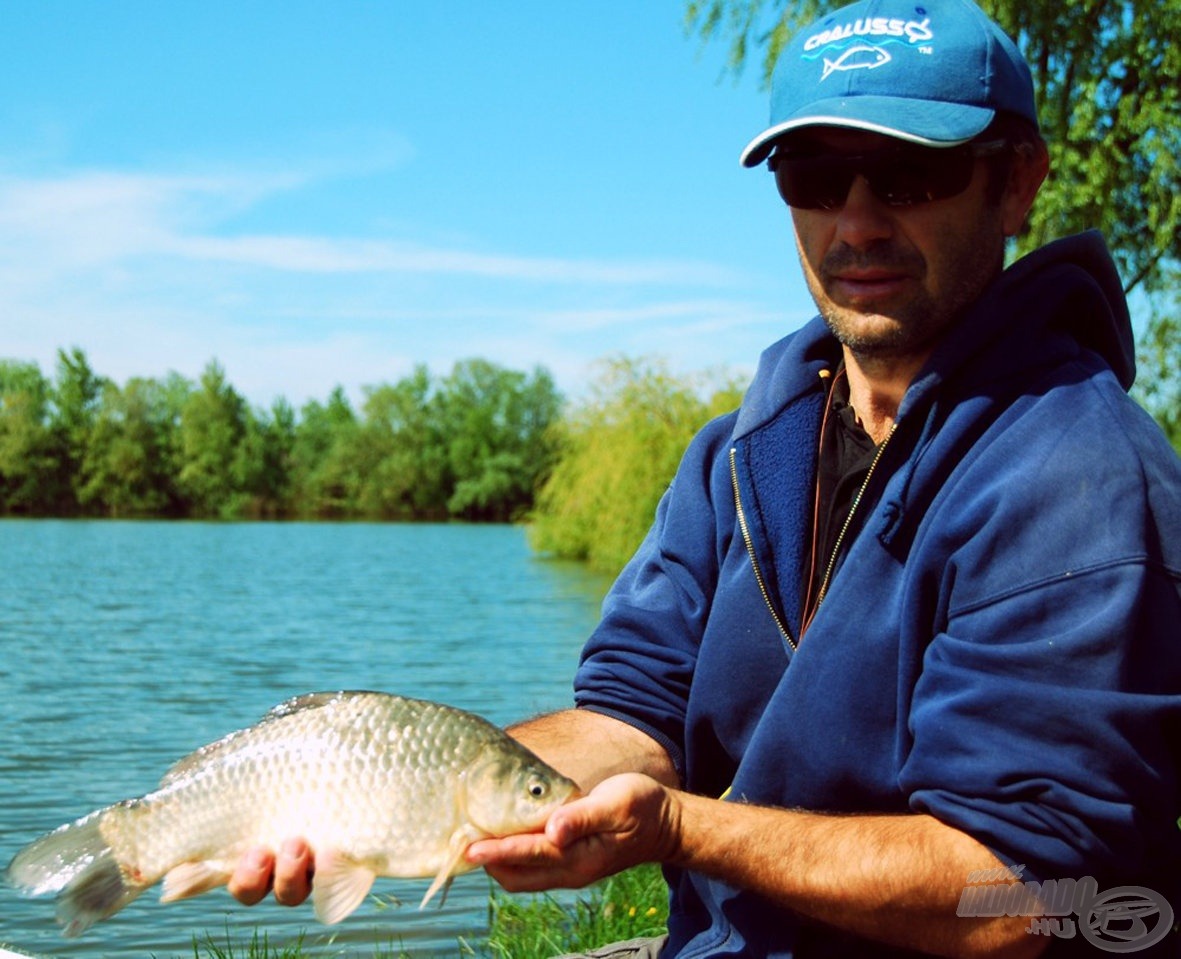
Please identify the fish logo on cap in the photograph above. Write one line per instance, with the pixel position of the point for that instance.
(860, 57)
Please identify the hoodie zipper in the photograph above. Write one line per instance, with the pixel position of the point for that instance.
(836, 550)
(750, 549)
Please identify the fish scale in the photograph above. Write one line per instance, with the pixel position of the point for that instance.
(378, 785)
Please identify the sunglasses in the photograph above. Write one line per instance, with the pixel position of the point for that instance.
(901, 175)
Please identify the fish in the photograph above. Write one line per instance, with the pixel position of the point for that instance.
(378, 785)
(859, 57)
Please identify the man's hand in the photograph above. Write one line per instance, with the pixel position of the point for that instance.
(290, 873)
(625, 820)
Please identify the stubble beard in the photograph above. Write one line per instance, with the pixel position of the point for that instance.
(909, 327)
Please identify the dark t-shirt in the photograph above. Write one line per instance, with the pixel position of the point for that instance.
(845, 456)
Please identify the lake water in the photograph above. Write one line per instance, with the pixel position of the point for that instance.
(123, 646)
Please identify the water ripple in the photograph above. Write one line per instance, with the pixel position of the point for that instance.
(123, 646)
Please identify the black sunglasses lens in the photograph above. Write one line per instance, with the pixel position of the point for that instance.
(813, 182)
(897, 177)
(920, 176)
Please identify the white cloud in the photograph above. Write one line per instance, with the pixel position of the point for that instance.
(148, 273)
(100, 219)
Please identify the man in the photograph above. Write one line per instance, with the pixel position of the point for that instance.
(908, 618)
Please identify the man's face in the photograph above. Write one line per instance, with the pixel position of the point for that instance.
(889, 280)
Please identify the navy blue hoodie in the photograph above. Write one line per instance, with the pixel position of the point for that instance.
(1000, 645)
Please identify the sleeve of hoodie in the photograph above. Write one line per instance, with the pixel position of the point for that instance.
(638, 663)
(1046, 720)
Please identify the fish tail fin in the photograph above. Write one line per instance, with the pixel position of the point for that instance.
(75, 862)
(98, 892)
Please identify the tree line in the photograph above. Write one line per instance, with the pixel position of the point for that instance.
(482, 443)
(474, 444)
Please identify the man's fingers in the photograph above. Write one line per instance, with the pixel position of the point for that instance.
(251, 881)
(584, 817)
(525, 849)
(293, 872)
(613, 827)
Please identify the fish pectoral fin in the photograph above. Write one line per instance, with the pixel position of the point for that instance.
(193, 878)
(340, 886)
(454, 864)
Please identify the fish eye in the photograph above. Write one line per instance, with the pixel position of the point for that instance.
(538, 788)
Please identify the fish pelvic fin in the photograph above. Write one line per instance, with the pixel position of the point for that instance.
(341, 885)
(454, 864)
(75, 862)
(194, 878)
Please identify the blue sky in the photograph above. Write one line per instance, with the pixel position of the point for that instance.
(328, 193)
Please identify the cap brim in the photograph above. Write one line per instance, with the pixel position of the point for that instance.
(943, 124)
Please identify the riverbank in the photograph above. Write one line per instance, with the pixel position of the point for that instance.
(631, 904)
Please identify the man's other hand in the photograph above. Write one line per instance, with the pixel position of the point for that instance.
(289, 873)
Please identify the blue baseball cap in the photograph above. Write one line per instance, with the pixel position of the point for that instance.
(933, 72)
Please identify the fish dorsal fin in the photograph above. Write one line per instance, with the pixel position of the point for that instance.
(183, 768)
(198, 758)
(341, 885)
(297, 704)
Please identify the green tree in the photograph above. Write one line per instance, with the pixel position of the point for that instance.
(128, 468)
(28, 466)
(1105, 75)
(260, 471)
(410, 477)
(213, 423)
(1158, 382)
(324, 458)
(74, 402)
(619, 452)
(496, 422)
(272, 480)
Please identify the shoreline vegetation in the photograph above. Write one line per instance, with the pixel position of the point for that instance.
(480, 444)
(626, 906)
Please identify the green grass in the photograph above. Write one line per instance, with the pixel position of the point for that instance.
(256, 948)
(626, 906)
